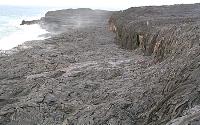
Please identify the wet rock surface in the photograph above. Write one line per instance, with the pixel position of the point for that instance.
(81, 77)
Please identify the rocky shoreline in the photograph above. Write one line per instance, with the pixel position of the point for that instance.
(145, 70)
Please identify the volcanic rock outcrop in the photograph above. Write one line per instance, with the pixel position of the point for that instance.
(65, 20)
(158, 31)
(30, 22)
(170, 34)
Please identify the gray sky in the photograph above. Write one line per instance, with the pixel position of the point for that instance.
(95, 4)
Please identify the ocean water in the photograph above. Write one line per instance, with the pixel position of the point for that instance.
(12, 33)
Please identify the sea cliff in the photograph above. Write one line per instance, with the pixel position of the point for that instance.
(170, 35)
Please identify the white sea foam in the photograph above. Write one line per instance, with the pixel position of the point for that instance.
(24, 33)
(12, 33)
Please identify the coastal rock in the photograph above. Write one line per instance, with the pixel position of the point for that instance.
(80, 76)
(64, 20)
(157, 31)
(169, 34)
(30, 22)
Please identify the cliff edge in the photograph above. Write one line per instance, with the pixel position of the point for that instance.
(170, 35)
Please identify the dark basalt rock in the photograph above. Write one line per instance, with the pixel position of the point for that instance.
(156, 30)
(170, 35)
(64, 20)
(81, 77)
(30, 22)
